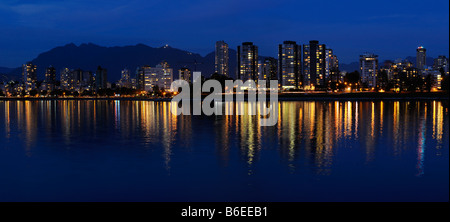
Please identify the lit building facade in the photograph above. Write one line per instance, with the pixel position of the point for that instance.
(161, 76)
(331, 66)
(140, 78)
(435, 76)
(421, 58)
(50, 79)
(369, 69)
(221, 58)
(313, 65)
(184, 74)
(268, 69)
(65, 79)
(29, 76)
(125, 80)
(87, 81)
(289, 64)
(76, 80)
(441, 62)
(247, 62)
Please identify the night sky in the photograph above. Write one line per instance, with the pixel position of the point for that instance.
(391, 29)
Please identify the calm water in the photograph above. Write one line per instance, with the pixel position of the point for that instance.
(138, 151)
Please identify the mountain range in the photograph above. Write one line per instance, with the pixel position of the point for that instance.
(89, 56)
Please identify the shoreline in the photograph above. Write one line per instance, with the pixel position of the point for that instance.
(363, 96)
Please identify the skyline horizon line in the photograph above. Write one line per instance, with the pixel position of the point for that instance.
(78, 44)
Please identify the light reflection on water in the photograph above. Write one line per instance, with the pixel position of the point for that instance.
(319, 136)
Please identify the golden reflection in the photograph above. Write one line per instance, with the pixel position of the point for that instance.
(319, 153)
(30, 127)
(279, 125)
(292, 131)
(396, 126)
(288, 127)
(247, 129)
(19, 112)
(78, 108)
(312, 120)
(159, 125)
(357, 110)
(348, 119)
(337, 118)
(329, 135)
(372, 120)
(222, 129)
(300, 120)
(438, 114)
(250, 131)
(381, 116)
(370, 139)
(66, 116)
(310, 131)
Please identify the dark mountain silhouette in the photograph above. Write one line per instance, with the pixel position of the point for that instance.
(350, 67)
(6, 74)
(413, 60)
(4, 70)
(114, 59)
(89, 56)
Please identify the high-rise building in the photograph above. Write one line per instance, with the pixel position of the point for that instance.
(101, 78)
(221, 61)
(289, 64)
(65, 79)
(313, 65)
(76, 77)
(441, 62)
(140, 78)
(369, 69)
(87, 80)
(421, 58)
(133, 83)
(184, 74)
(395, 69)
(50, 78)
(268, 69)
(125, 80)
(247, 62)
(76, 80)
(435, 78)
(161, 76)
(331, 65)
(398, 73)
(29, 76)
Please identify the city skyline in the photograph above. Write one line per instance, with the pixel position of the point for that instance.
(255, 109)
(320, 71)
(388, 29)
(412, 52)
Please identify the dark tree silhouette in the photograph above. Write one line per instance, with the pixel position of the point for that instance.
(352, 77)
(444, 83)
(221, 79)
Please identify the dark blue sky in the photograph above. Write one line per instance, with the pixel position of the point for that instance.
(391, 29)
